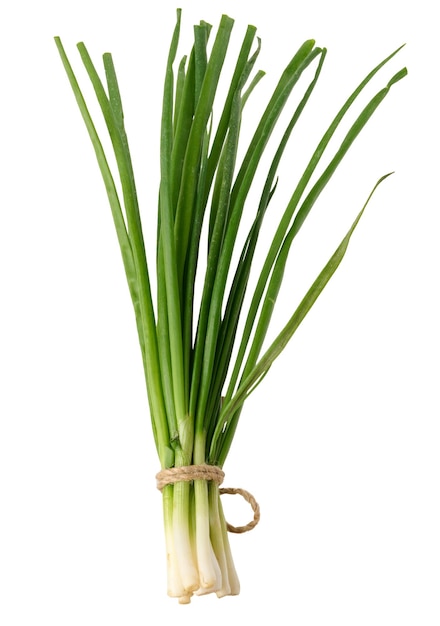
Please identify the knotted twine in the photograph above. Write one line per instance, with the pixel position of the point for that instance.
(209, 472)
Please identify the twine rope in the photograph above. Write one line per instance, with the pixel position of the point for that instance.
(187, 473)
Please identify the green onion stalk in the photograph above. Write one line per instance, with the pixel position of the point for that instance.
(199, 369)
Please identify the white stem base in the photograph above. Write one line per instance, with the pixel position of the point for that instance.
(199, 558)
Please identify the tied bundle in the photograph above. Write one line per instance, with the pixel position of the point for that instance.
(204, 354)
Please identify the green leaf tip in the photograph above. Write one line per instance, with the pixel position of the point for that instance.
(398, 76)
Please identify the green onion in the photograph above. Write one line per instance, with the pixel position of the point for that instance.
(199, 368)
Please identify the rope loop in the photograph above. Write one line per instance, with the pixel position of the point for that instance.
(187, 473)
(254, 504)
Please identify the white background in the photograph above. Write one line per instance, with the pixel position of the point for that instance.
(340, 444)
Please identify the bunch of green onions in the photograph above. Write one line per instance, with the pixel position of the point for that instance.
(199, 370)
